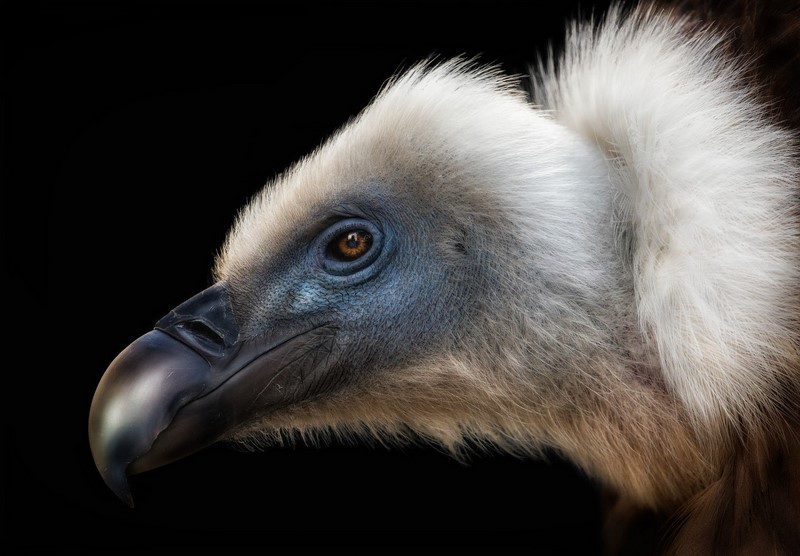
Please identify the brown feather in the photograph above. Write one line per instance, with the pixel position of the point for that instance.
(754, 507)
(766, 32)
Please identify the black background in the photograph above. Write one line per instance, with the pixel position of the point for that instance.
(132, 133)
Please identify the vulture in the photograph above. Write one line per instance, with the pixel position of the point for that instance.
(600, 259)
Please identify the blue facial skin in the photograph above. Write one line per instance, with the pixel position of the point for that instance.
(302, 322)
(399, 302)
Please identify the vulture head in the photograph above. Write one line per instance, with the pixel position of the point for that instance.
(606, 266)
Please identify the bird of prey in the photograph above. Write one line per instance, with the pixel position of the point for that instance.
(605, 264)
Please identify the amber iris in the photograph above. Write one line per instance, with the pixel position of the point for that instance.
(351, 245)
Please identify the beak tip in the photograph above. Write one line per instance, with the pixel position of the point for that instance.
(124, 494)
(127, 499)
(117, 480)
(135, 402)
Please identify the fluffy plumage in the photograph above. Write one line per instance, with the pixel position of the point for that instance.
(607, 267)
(714, 264)
(632, 237)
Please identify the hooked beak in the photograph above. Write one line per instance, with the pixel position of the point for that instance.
(188, 382)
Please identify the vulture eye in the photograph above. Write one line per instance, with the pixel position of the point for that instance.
(349, 246)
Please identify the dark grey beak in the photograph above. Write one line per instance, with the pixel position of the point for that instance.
(184, 385)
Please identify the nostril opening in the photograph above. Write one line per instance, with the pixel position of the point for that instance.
(204, 335)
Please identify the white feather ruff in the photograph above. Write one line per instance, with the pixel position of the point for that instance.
(708, 188)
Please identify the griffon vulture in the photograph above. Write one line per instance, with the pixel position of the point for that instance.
(605, 265)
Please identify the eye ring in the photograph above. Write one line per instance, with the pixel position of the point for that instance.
(349, 246)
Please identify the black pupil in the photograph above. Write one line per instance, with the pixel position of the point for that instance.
(350, 246)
